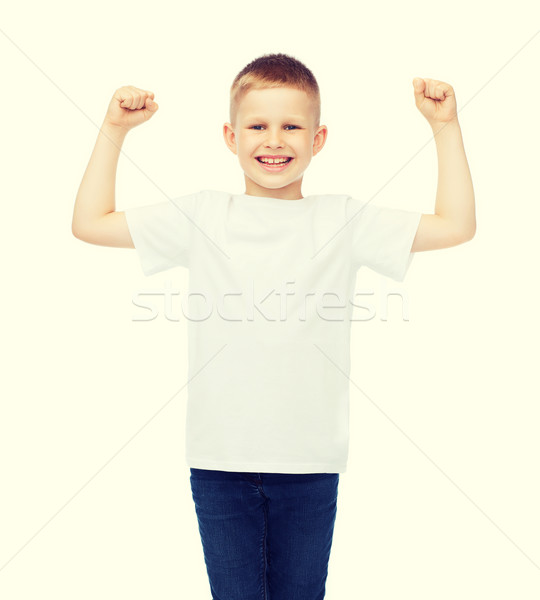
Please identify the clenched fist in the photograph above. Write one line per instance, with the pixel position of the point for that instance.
(435, 99)
(129, 107)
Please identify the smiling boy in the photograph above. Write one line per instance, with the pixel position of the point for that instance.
(271, 123)
(268, 403)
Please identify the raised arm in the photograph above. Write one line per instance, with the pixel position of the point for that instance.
(454, 221)
(95, 219)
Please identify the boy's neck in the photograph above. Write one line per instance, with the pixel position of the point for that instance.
(289, 192)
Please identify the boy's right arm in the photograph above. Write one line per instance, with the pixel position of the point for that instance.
(95, 219)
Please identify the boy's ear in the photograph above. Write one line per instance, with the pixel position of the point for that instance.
(230, 138)
(319, 139)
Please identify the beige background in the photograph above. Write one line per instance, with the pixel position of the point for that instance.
(442, 491)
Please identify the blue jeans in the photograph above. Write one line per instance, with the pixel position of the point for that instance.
(265, 536)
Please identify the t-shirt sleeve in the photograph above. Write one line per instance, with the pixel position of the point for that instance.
(161, 233)
(382, 237)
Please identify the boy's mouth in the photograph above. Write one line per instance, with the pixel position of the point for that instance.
(274, 163)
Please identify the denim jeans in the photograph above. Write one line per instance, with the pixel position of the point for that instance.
(265, 536)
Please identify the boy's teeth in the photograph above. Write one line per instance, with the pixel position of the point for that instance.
(273, 160)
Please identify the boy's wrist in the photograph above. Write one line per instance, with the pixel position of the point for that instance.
(448, 125)
(112, 130)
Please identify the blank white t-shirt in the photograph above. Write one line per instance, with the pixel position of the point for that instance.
(271, 284)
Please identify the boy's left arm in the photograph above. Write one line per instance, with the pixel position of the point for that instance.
(454, 221)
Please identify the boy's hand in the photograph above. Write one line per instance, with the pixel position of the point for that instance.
(129, 107)
(435, 100)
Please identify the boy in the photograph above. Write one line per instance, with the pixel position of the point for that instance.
(267, 414)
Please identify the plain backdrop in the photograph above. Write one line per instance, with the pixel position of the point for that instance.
(440, 499)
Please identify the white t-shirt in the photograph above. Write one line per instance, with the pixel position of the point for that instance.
(271, 287)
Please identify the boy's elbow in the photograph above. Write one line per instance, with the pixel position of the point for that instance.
(470, 233)
(463, 238)
(80, 232)
(77, 231)
(465, 234)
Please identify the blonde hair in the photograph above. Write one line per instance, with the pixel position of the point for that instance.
(271, 71)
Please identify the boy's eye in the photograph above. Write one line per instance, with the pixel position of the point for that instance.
(286, 126)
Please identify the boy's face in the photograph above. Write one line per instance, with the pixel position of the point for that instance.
(275, 122)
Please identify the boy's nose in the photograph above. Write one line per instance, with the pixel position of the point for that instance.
(274, 139)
